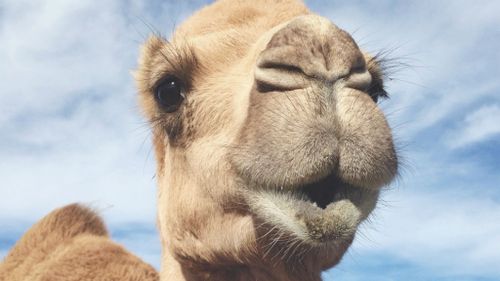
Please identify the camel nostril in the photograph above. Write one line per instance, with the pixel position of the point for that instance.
(280, 66)
(319, 52)
(277, 75)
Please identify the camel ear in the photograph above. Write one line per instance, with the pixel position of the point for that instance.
(147, 51)
(146, 55)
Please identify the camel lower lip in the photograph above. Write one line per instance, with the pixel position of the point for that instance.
(336, 222)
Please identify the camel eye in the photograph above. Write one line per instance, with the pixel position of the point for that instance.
(169, 94)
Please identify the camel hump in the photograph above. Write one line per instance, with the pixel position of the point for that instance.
(93, 258)
(54, 230)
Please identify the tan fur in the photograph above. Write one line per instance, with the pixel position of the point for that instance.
(279, 116)
(72, 244)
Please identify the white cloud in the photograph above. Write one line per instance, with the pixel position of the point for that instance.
(477, 126)
(69, 124)
(53, 51)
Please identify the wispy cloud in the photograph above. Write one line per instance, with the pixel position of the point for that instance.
(69, 119)
(477, 126)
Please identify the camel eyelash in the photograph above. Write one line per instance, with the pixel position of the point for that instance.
(377, 66)
(178, 61)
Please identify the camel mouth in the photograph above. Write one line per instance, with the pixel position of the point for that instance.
(323, 192)
(320, 213)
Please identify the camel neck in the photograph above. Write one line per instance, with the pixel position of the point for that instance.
(172, 271)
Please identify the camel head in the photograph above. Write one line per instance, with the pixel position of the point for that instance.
(270, 146)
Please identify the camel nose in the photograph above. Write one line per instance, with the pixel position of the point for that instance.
(310, 49)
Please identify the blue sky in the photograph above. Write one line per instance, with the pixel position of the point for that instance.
(70, 129)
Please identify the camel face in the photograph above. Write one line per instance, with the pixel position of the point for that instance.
(270, 146)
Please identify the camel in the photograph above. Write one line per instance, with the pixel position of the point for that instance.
(271, 150)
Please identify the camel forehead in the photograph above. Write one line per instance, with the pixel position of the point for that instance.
(230, 15)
